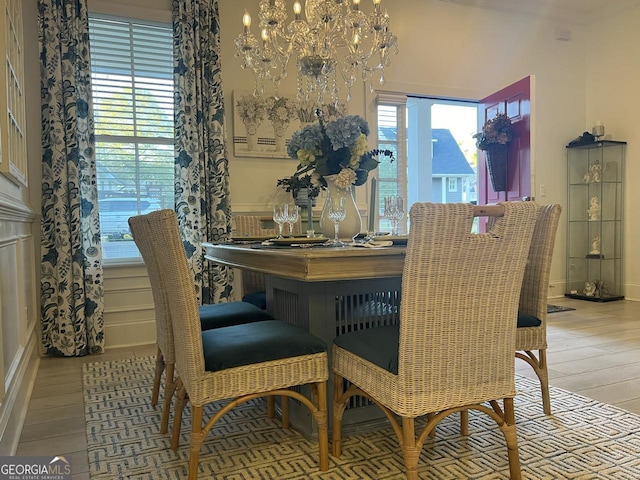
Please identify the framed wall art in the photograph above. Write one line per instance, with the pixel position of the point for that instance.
(262, 126)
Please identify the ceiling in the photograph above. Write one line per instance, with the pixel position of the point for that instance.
(573, 11)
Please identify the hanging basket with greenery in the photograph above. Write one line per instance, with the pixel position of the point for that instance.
(494, 140)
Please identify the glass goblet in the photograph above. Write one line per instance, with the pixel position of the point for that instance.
(293, 215)
(394, 211)
(280, 214)
(337, 212)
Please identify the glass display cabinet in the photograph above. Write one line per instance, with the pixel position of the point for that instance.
(595, 220)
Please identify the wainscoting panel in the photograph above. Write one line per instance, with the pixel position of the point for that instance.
(19, 315)
(12, 325)
(129, 315)
(29, 291)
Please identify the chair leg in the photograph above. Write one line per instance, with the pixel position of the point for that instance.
(543, 375)
(409, 449)
(432, 434)
(509, 430)
(539, 365)
(271, 407)
(338, 409)
(181, 401)
(169, 390)
(285, 411)
(464, 422)
(323, 428)
(197, 437)
(155, 393)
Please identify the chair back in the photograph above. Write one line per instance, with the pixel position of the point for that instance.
(177, 286)
(252, 225)
(143, 238)
(535, 285)
(460, 294)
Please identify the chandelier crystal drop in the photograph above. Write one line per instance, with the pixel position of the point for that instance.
(333, 45)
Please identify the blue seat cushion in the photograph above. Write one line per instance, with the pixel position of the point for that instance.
(528, 320)
(378, 345)
(231, 313)
(259, 299)
(256, 342)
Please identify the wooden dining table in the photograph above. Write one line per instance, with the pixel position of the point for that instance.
(328, 291)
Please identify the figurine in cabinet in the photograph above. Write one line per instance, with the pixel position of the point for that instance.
(595, 246)
(594, 209)
(589, 289)
(594, 174)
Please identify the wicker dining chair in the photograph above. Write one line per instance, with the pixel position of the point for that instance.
(238, 363)
(453, 349)
(531, 333)
(253, 286)
(211, 316)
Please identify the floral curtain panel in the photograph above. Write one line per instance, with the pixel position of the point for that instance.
(72, 305)
(202, 167)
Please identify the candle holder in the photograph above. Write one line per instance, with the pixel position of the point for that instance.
(598, 131)
(310, 231)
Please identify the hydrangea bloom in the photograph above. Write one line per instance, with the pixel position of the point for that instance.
(338, 147)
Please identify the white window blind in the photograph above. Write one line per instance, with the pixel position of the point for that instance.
(132, 83)
(392, 177)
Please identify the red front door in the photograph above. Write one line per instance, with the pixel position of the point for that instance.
(515, 101)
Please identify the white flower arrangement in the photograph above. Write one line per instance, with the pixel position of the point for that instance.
(281, 109)
(251, 109)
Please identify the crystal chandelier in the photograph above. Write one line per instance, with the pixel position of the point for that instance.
(334, 45)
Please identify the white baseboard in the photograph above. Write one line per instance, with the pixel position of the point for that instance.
(130, 334)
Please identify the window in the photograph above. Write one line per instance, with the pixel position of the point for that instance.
(436, 156)
(13, 160)
(392, 176)
(132, 82)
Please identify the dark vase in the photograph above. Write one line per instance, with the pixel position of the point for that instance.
(497, 161)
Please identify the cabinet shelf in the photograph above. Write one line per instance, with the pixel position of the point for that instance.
(594, 299)
(595, 220)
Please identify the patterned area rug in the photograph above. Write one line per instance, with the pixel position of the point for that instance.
(583, 439)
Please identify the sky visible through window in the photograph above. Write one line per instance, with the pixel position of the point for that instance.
(462, 121)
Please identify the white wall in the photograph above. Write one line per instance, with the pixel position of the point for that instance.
(613, 70)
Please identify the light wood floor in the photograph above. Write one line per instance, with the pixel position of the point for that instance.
(594, 351)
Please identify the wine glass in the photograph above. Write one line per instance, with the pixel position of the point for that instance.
(280, 215)
(394, 211)
(293, 215)
(337, 212)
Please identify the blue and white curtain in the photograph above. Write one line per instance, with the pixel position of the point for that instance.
(72, 305)
(202, 166)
